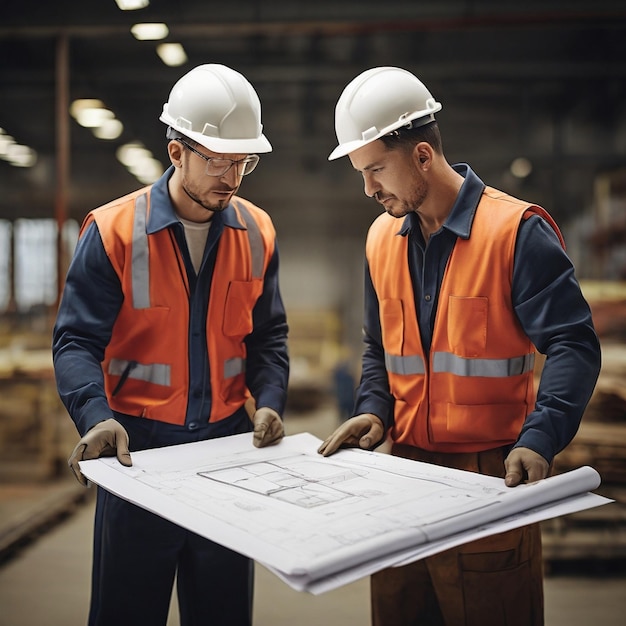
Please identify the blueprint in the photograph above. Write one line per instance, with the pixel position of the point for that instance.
(317, 522)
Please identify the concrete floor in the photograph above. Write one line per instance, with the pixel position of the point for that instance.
(48, 583)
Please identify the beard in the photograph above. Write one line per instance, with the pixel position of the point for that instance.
(214, 207)
(397, 207)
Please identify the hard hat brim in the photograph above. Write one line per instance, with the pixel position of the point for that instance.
(254, 145)
(259, 145)
(418, 120)
(346, 148)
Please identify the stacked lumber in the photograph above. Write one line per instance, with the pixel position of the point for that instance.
(601, 439)
(600, 442)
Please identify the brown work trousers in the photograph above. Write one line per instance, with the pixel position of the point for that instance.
(495, 581)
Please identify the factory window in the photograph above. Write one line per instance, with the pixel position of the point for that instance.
(34, 263)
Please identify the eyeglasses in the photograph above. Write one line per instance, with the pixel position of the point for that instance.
(217, 166)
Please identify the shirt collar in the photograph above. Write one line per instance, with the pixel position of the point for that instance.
(462, 214)
(162, 213)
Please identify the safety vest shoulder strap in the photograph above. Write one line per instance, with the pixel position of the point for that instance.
(260, 234)
(496, 196)
(125, 221)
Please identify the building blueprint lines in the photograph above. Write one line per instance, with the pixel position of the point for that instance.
(307, 517)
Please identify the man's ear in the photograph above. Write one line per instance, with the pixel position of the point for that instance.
(423, 155)
(175, 152)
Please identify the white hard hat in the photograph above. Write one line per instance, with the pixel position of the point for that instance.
(377, 102)
(217, 107)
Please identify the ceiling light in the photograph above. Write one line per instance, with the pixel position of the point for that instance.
(131, 153)
(521, 167)
(132, 5)
(16, 154)
(91, 113)
(172, 54)
(92, 118)
(139, 161)
(150, 32)
(6, 141)
(21, 156)
(109, 129)
(147, 171)
(84, 103)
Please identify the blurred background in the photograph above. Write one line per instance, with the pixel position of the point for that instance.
(534, 99)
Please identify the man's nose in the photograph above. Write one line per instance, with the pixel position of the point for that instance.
(232, 175)
(370, 187)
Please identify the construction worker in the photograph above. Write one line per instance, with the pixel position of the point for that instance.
(462, 283)
(171, 330)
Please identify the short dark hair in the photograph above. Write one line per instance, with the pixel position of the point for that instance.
(407, 138)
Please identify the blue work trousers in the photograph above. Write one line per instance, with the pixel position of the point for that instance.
(138, 555)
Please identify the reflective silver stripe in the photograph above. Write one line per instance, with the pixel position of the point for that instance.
(140, 270)
(156, 373)
(413, 364)
(237, 365)
(234, 366)
(490, 368)
(255, 240)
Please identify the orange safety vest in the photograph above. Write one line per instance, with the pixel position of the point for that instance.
(146, 365)
(475, 389)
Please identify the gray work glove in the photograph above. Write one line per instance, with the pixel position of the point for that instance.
(108, 438)
(362, 431)
(268, 427)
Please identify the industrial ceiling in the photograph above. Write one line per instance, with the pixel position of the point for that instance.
(543, 80)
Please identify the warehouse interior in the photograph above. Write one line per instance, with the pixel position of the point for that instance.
(534, 99)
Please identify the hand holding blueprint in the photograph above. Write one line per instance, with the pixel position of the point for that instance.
(322, 522)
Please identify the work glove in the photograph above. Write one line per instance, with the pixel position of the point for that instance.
(108, 438)
(362, 431)
(524, 465)
(268, 427)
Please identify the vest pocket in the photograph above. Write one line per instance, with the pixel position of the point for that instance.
(467, 325)
(392, 325)
(458, 423)
(240, 300)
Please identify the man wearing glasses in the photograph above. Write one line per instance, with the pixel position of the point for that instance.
(172, 329)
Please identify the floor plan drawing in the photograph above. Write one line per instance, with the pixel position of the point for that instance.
(308, 517)
(297, 480)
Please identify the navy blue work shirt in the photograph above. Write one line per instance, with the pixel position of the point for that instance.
(547, 301)
(91, 301)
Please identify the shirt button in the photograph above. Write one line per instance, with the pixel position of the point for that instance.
(192, 426)
(427, 298)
